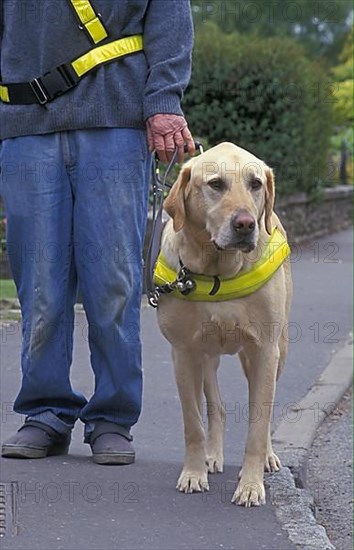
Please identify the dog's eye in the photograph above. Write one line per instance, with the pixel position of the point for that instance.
(217, 184)
(256, 184)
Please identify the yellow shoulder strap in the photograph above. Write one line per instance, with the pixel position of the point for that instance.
(108, 52)
(90, 20)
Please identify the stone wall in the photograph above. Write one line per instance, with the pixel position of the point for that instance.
(304, 219)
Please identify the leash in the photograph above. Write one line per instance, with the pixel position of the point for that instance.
(159, 188)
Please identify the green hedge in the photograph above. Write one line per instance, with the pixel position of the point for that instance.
(264, 95)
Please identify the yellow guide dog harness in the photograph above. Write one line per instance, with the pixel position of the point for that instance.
(200, 288)
(63, 78)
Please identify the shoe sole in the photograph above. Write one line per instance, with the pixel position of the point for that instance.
(15, 451)
(113, 459)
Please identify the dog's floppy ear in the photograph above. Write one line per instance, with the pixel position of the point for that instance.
(269, 200)
(174, 203)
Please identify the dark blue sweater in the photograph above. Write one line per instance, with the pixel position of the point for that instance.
(38, 35)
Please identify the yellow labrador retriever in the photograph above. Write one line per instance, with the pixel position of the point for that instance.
(222, 215)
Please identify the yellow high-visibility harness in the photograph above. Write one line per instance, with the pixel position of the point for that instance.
(213, 289)
(63, 78)
(90, 20)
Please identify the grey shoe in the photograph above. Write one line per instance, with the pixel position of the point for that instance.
(35, 440)
(111, 444)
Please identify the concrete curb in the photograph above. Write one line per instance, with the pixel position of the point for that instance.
(294, 439)
(295, 507)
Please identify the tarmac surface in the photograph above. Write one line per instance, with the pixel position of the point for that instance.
(71, 503)
(330, 474)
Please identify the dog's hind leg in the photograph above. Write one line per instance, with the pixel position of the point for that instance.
(272, 462)
(189, 377)
(216, 416)
(283, 352)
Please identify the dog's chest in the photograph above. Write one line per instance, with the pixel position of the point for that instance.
(224, 328)
(220, 328)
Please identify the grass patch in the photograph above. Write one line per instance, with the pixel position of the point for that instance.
(7, 289)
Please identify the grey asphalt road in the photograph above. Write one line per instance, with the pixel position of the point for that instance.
(330, 474)
(70, 503)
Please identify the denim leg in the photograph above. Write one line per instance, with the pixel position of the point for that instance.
(109, 226)
(39, 207)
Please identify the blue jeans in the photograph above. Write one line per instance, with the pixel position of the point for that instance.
(76, 206)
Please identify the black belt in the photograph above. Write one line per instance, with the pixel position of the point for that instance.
(43, 89)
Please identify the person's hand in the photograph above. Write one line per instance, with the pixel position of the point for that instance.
(165, 133)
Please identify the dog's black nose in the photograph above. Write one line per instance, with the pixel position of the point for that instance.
(243, 223)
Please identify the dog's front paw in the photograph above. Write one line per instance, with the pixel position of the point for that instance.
(272, 463)
(193, 482)
(249, 494)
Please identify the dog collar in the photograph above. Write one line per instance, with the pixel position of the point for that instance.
(201, 288)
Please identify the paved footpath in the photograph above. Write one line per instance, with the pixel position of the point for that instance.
(70, 503)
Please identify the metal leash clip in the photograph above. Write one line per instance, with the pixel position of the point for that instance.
(154, 299)
(185, 284)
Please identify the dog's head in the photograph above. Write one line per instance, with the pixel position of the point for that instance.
(228, 192)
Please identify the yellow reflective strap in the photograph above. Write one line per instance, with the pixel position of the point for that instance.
(96, 30)
(4, 94)
(274, 255)
(84, 10)
(89, 20)
(92, 59)
(107, 52)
